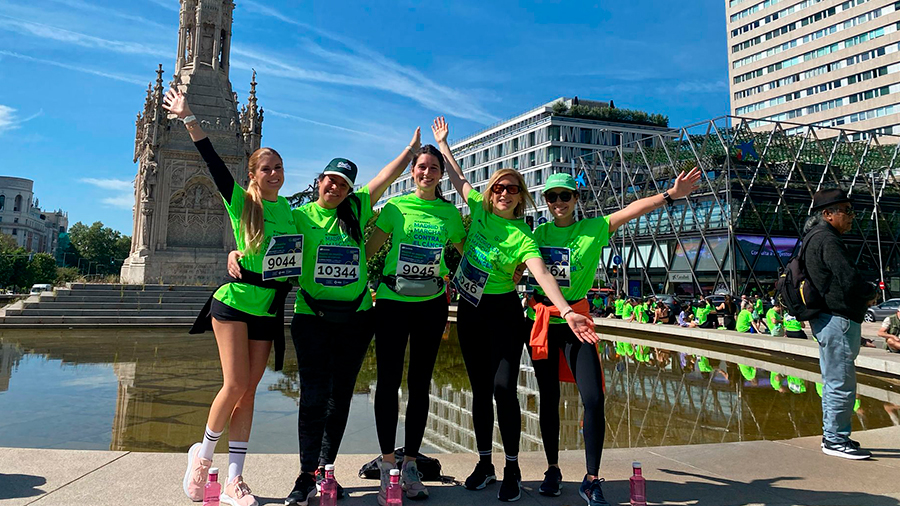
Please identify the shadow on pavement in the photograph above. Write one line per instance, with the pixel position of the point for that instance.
(20, 485)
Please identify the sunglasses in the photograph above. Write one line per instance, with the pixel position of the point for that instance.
(498, 188)
(551, 197)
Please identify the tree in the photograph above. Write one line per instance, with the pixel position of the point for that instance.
(101, 247)
(310, 194)
(41, 269)
(451, 256)
(375, 265)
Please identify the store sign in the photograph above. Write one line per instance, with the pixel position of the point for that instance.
(680, 277)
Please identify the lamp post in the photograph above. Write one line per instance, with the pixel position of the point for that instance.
(878, 236)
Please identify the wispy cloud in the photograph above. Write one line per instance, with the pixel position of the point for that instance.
(701, 87)
(109, 184)
(171, 5)
(78, 39)
(109, 75)
(9, 120)
(366, 68)
(329, 125)
(112, 13)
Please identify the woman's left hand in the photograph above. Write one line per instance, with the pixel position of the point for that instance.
(416, 141)
(685, 184)
(583, 327)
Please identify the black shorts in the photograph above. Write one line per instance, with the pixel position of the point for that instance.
(259, 328)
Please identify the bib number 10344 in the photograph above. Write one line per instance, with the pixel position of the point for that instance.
(337, 265)
(284, 258)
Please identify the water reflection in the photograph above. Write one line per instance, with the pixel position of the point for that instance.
(150, 390)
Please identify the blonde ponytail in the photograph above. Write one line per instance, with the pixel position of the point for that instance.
(253, 224)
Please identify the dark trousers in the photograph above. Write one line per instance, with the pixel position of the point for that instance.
(422, 325)
(491, 342)
(584, 362)
(329, 356)
(796, 334)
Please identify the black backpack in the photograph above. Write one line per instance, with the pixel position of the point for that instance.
(429, 467)
(794, 289)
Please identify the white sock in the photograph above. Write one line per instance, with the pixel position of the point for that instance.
(237, 451)
(208, 446)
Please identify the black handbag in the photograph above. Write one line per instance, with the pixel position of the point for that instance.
(429, 467)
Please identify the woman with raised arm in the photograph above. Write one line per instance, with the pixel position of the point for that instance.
(412, 306)
(489, 319)
(572, 250)
(246, 314)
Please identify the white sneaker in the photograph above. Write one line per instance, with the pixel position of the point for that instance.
(385, 469)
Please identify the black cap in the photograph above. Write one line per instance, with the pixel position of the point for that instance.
(829, 197)
(344, 168)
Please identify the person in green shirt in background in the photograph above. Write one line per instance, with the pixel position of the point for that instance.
(640, 312)
(620, 305)
(775, 321)
(793, 327)
(243, 314)
(704, 319)
(758, 309)
(490, 322)
(412, 307)
(628, 310)
(745, 321)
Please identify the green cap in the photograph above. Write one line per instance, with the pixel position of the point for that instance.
(560, 180)
(342, 167)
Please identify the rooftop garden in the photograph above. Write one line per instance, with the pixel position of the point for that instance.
(611, 113)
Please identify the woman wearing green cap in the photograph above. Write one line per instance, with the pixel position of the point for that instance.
(489, 318)
(332, 324)
(574, 248)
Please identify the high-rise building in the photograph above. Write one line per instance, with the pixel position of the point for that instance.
(181, 231)
(540, 142)
(820, 62)
(22, 218)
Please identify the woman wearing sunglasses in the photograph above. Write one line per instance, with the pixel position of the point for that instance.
(572, 250)
(489, 319)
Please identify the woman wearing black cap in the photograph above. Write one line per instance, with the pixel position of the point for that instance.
(332, 326)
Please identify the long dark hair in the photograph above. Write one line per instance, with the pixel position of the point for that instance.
(428, 149)
(348, 213)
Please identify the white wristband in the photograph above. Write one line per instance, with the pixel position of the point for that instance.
(189, 119)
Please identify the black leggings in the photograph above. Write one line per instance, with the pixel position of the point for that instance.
(491, 341)
(584, 362)
(329, 356)
(422, 324)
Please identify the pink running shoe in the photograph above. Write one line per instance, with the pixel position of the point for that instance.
(196, 475)
(237, 493)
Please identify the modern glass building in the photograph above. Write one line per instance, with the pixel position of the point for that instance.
(745, 221)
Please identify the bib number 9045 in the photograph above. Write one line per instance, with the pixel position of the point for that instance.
(418, 261)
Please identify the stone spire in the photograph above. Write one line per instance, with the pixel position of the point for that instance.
(251, 118)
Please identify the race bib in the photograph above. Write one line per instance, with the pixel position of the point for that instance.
(284, 257)
(337, 265)
(470, 281)
(419, 261)
(557, 261)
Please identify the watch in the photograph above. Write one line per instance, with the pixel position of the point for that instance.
(668, 198)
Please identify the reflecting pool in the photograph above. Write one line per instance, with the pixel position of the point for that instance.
(150, 390)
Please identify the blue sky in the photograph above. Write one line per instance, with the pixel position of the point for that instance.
(345, 78)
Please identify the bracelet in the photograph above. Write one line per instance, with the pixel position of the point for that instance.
(668, 198)
(189, 119)
(567, 312)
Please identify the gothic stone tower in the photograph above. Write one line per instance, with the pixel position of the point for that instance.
(181, 230)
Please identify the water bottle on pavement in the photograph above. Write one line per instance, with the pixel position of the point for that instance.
(638, 486)
(212, 489)
(329, 488)
(394, 492)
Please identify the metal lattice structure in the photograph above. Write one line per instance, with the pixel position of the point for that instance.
(744, 222)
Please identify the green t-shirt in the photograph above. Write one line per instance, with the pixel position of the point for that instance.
(775, 380)
(334, 267)
(620, 306)
(627, 311)
(495, 247)
(791, 323)
(421, 229)
(703, 364)
(623, 349)
(748, 372)
(703, 313)
(278, 221)
(758, 306)
(642, 353)
(773, 319)
(598, 303)
(743, 321)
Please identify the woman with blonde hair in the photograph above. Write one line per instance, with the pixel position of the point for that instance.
(246, 315)
(489, 318)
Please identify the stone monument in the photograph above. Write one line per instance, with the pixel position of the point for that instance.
(181, 232)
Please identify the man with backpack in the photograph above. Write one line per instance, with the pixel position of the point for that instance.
(837, 327)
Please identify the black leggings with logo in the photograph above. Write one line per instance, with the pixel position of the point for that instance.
(422, 325)
(491, 341)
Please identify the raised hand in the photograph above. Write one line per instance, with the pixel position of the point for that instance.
(416, 141)
(583, 327)
(176, 103)
(440, 130)
(685, 184)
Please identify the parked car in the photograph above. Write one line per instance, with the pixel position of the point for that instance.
(881, 311)
(39, 288)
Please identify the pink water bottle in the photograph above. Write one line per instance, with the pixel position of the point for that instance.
(638, 486)
(212, 489)
(329, 488)
(394, 492)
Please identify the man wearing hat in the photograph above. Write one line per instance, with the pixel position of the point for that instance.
(890, 331)
(837, 327)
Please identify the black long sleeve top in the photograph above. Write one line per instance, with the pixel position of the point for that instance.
(834, 274)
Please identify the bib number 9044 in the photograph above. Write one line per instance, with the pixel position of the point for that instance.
(284, 258)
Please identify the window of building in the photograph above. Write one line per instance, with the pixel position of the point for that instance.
(530, 139)
(515, 163)
(553, 133)
(531, 159)
(554, 154)
(2, 202)
(18, 204)
(15, 231)
(538, 177)
(15, 220)
(515, 144)
(586, 135)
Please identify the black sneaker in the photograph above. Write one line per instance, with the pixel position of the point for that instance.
(552, 482)
(320, 477)
(591, 492)
(304, 488)
(847, 450)
(510, 489)
(482, 476)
